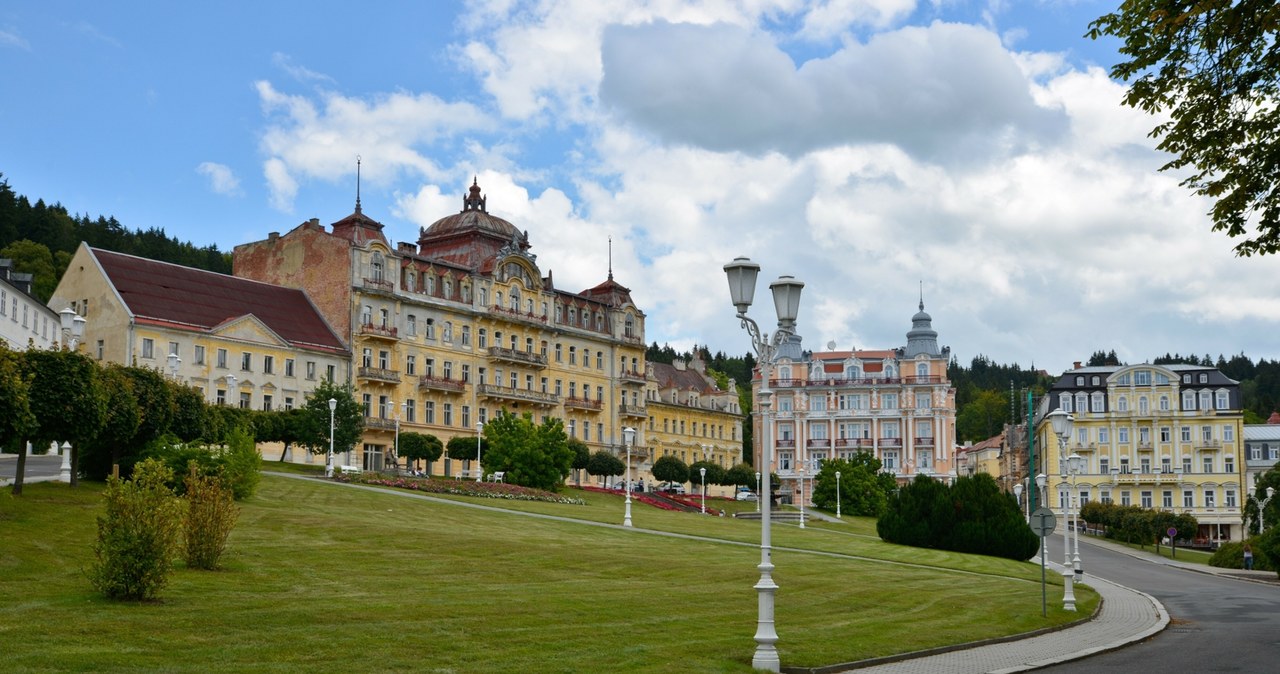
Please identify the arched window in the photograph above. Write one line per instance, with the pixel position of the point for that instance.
(628, 326)
(411, 280)
(922, 369)
(448, 289)
(1122, 404)
(376, 266)
(1143, 406)
(366, 315)
(515, 299)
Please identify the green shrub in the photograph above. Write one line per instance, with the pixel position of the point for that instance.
(1266, 549)
(237, 464)
(971, 516)
(211, 515)
(137, 535)
(1231, 556)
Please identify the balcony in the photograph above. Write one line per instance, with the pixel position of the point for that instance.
(818, 443)
(637, 411)
(517, 395)
(429, 383)
(583, 404)
(890, 442)
(925, 441)
(923, 379)
(517, 357)
(631, 377)
(379, 424)
(378, 332)
(379, 374)
(788, 443)
(517, 315)
(786, 383)
(1208, 445)
(380, 285)
(633, 340)
(855, 442)
(849, 381)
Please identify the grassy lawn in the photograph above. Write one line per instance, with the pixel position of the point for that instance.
(335, 578)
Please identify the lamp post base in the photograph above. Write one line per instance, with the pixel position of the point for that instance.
(1068, 594)
(766, 655)
(626, 517)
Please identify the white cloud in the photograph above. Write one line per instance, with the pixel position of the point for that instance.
(319, 138)
(222, 180)
(90, 30)
(943, 90)
(10, 37)
(297, 72)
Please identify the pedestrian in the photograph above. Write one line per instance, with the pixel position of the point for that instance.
(1248, 557)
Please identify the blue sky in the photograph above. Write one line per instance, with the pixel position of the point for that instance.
(865, 146)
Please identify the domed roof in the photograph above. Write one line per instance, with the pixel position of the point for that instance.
(472, 218)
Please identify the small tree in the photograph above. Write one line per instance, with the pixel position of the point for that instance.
(138, 535)
(864, 490)
(120, 426)
(581, 455)
(348, 419)
(670, 469)
(66, 399)
(715, 474)
(16, 419)
(155, 403)
(740, 475)
(527, 453)
(420, 447)
(604, 464)
(211, 515)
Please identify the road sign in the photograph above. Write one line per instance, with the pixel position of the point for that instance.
(1173, 533)
(1043, 522)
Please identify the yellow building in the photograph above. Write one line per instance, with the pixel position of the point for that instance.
(1166, 437)
(241, 342)
(691, 418)
(450, 330)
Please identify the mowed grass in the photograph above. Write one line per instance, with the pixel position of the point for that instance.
(324, 577)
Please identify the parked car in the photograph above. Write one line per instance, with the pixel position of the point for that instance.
(745, 494)
(671, 488)
(636, 485)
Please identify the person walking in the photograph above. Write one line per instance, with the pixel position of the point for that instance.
(1248, 557)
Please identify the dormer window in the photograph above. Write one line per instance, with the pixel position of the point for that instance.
(375, 267)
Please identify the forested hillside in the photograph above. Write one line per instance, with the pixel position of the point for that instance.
(40, 239)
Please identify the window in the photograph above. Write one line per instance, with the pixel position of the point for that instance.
(383, 318)
(266, 402)
(1122, 435)
(1210, 497)
(1145, 465)
(366, 404)
(466, 373)
(330, 371)
(818, 403)
(199, 355)
(448, 414)
(221, 397)
(410, 365)
(245, 400)
(1188, 498)
(1124, 465)
(1124, 498)
(466, 416)
(923, 401)
(1166, 434)
(101, 348)
(1081, 401)
(1166, 465)
(889, 401)
(1144, 436)
(448, 369)
(1104, 435)
(288, 367)
(482, 338)
(428, 411)
(1204, 378)
(1186, 465)
(366, 357)
(1122, 404)
(412, 324)
(1188, 400)
(384, 360)
(366, 315)
(1186, 434)
(268, 364)
(559, 358)
(311, 370)
(1208, 464)
(1206, 433)
(466, 335)
(599, 357)
(1146, 499)
(1166, 499)
(1104, 465)
(1064, 402)
(1229, 464)
(288, 402)
(1164, 403)
(1144, 378)
(1206, 400)
(148, 347)
(1229, 498)
(246, 361)
(1228, 433)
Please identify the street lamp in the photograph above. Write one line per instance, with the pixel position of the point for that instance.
(1262, 523)
(742, 274)
(479, 429)
(328, 461)
(72, 326)
(174, 362)
(800, 474)
(1017, 494)
(1061, 423)
(757, 491)
(837, 494)
(628, 437)
(232, 392)
(1075, 464)
(703, 472)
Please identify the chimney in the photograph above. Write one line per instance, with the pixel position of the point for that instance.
(273, 236)
(1077, 366)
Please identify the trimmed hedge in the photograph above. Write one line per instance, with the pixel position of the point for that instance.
(971, 516)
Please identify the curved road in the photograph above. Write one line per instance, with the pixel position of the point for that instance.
(1217, 623)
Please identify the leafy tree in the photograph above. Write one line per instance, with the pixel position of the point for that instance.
(34, 258)
(715, 474)
(188, 420)
(463, 448)
(581, 456)
(740, 475)
(155, 403)
(864, 490)
(1268, 546)
(527, 453)
(115, 440)
(66, 399)
(1211, 65)
(1271, 516)
(348, 419)
(669, 469)
(418, 446)
(605, 464)
(16, 419)
(984, 417)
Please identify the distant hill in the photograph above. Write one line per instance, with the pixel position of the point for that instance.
(40, 239)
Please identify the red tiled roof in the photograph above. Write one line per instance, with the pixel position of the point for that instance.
(194, 299)
(668, 376)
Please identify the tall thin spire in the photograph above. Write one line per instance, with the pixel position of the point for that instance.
(610, 258)
(921, 294)
(357, 183)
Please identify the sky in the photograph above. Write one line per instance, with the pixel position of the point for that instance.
(975, 154)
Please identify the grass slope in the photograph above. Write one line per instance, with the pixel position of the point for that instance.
(321, 577)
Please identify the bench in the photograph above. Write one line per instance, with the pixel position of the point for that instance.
(466, 474)
(496, 477)
(350, 469)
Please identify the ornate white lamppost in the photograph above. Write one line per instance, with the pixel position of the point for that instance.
(703, 471)
(742, 274)
(800, 473)
(1075, 465)
(479, 430)
(1017, 494)
(1061, 423)
(72, 326)
(837, 494)
(628, 437)
(174, 362)
(328, 460)
(758, 491)
(1262, 523)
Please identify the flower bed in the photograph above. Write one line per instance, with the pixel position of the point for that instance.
(640, 496)
(500, 490)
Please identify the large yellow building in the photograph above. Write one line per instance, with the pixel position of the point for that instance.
(451, 330)
(239, 341)
(1167, 437)
(691, 418)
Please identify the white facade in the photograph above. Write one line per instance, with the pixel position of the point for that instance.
(24, 320)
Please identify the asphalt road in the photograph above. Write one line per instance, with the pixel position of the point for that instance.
(37, 466)
(1217, 624)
